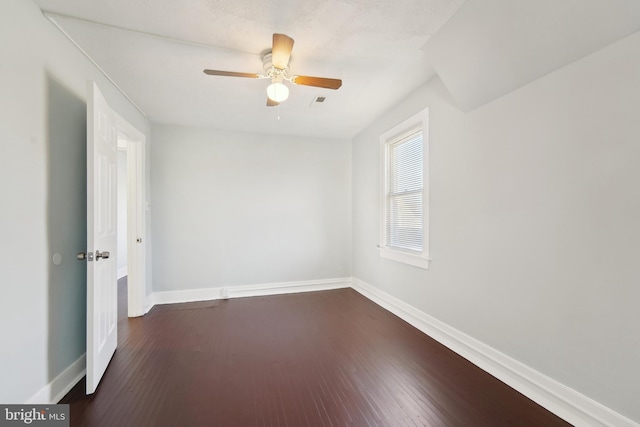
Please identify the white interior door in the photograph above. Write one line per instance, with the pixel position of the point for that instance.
(102, 286)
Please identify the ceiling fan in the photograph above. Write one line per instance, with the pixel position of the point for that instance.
(276, 68)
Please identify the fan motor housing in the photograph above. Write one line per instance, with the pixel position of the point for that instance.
(269, 69)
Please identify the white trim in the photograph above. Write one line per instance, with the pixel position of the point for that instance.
(51, 18)
(207, 294)
(407, 258)
(52, 15)
(420, 121)
(134, 142)
(189, 295)
(288, 287)
(122, 272)
(148, 303)
(563, 401)
(53, 392)
(147, 308)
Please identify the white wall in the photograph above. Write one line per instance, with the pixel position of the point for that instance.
(43, 82)
(122, 214)
(535, 222)
(238, 209)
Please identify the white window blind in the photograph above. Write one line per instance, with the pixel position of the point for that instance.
(404, 193)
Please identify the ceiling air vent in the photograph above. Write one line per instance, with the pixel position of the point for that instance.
(317, 101)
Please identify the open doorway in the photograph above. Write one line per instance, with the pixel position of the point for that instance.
(131, 218)
(122, 249)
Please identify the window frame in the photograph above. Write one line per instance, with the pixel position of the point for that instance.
(420, 121)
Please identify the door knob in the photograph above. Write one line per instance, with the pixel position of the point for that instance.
(103, 255)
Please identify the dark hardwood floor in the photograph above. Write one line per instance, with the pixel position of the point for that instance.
(313, 359)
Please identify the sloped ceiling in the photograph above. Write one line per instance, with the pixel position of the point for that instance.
(491, 47)
(156, 50)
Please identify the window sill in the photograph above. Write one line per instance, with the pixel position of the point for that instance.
(420, 261)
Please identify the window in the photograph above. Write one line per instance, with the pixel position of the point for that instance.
(404, 197)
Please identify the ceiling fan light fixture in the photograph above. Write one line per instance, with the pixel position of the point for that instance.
(277, 91)
(275, 63)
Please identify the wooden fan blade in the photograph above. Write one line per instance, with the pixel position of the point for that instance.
(281, 51)
(271, 102)
(317, 82)
(230, 74)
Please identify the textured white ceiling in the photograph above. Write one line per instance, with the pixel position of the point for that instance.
(155, 50)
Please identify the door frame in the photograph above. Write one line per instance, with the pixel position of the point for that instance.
(135, 145)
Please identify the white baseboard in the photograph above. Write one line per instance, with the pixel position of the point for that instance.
(60, 385)
(122, 272)
(563, 401)
(188, 295)
(207, 294)
(287, 287)
(148, 303)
